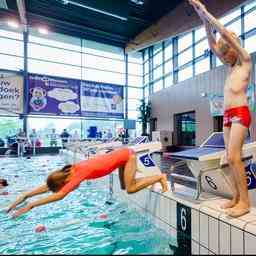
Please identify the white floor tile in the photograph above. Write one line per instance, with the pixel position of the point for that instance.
(237, 241)
(213, 235)
(203, 251)
(204, 239)
(194, 248)
(250, 244)
(165, 209)
(224, 238)
(173, 214)
(195, 225)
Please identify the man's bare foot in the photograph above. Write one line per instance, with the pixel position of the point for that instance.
(239, 210)
(230, 203)
(164, 183)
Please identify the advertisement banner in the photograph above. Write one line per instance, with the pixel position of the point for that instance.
(102, 100)
(54, 96)
(216, 105)
(217, 101)
(251, 97)
(11, 95)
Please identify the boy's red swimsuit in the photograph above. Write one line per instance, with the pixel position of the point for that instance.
(237, 115)
(96, 167)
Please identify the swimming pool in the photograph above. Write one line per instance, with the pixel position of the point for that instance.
(83, 223)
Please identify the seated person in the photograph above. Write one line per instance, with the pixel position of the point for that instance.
(67, 179)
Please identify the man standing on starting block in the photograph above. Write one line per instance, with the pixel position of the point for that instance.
(237, 116)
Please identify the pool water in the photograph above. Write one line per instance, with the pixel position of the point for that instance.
(82, 223)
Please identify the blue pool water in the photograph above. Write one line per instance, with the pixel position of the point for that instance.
(74, 225)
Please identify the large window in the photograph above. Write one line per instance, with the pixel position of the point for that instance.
(102, 63)
(104, 127)
(158, 85)
(249, 20)
(45, 125)
(185, 73)
(9, 127)
(188, 55)
(135, 83)
(202, 66)
(54, 54)
(11, 50)
(185, 55)
(249, 44)
(250, 26)
(184, 42)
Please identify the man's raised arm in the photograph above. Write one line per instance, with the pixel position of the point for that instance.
(225, 34)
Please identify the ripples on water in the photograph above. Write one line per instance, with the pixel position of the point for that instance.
(73, 225)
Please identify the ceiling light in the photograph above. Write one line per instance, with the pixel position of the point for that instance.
(13, 24)
(93, 9)
(43, 31)
(138, 2)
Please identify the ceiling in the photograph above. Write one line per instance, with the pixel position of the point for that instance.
(82, 22)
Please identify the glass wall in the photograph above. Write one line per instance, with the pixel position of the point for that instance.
(65, 56)
(11, 50)
(135, 84)
(45, 125)
(184, 56)
(9, 127)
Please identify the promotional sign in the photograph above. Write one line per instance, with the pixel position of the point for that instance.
(251, 175)
(54, 96)
(251, 97)
(101, 100)
(11, 95)
(217, 101)
(216, 105)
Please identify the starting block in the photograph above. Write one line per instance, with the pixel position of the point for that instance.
(210, 168)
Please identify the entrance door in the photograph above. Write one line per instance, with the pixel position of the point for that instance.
(218, 123)
(185, 129)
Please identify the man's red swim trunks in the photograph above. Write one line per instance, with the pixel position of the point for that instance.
(237, 115)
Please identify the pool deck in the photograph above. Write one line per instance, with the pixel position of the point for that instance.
(207, 228)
